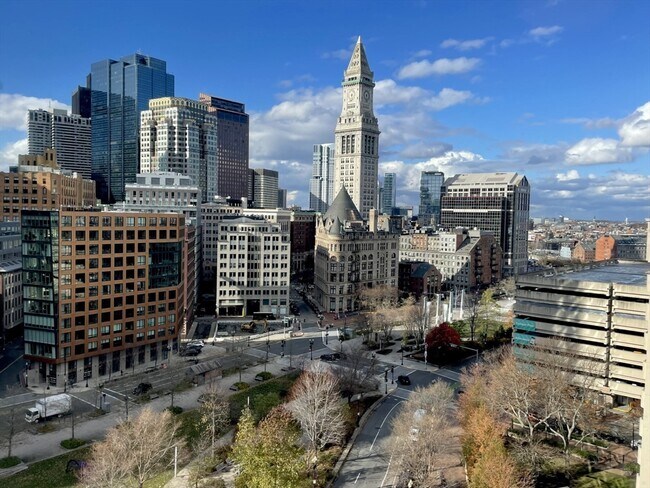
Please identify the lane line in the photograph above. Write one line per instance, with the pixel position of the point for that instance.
(84, 401)
(382, 424)
(11, 364)
(387, 469)
(357, 478)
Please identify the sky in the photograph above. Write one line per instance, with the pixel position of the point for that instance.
(558, 90)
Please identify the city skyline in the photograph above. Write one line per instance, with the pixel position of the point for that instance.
(546, 91)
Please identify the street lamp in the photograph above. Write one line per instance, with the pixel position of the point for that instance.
(392, 375)
(268, 346)
(402, 355)
(311, 349)
(282, 344)
(386, 380)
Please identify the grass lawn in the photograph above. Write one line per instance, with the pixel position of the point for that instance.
(49, 473)
(605, 479)
(262, 397)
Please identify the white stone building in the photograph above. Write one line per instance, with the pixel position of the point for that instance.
(253, 267)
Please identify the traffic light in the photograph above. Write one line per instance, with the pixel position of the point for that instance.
(386, 376)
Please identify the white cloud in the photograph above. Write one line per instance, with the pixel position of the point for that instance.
(598, 151)
(14, 107)
(446, 98)
(535, 154)
(443, 66)
(570, 175)
(465, 45)
(635, 129)
(545, 32)
(10, 152)
(388, 92)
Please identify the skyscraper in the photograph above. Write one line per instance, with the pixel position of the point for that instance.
(263, 188)
(496, 202)
(81, 102)
(357, 135)
(389, 193)
(430, 192)
(121, 90)
(321, 185)
(179, 135)
(232, 146)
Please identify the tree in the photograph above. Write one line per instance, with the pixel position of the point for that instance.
(358, 371)
(268, 456)
(214, 415)
(421, 434)
(417, 318)
(315, 403)
(439, 340)
(134, 451)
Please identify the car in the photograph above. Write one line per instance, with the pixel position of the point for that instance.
(142, 388)
(196, 343)
(190, 351)
(403, 380)
(331, 357)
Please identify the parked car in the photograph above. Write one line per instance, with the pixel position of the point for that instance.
(142, 388)
(403, 380)
(196, 343)
(331, 357)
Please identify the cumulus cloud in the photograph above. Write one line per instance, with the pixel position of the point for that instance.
(442, 66)
(570, 175)
(539, 33)
(598, 151)
(447, 98)
(10, 152)
(465, 45)
(535, 154)
(635, 129)
(15, 106)
(388, 92)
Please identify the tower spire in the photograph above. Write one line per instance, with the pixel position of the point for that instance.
(358, 62)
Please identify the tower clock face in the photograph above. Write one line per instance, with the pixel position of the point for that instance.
(366, 96)
(351, 95)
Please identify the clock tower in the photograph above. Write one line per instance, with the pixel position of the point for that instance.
(357, 135)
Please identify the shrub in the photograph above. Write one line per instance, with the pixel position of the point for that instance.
(8, 462)
(72, 443)
(241, 385)
(175, 410)
(265, 375)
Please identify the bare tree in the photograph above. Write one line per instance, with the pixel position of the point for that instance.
(357, 370)
(133, 451)
(315, 402)
(417, 318)
(214, 415)
(421, 434)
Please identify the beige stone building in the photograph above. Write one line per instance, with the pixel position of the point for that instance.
(38, 184)
(351, 255)
(356, 153)
(465, 258)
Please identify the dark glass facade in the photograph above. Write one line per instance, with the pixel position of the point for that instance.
(40, 251)
(81, 102)
(120, 91)
(430, 194)
(165, 264)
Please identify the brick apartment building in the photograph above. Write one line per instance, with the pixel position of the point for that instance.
(103, 292)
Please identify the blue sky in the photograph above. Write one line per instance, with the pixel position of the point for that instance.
(558, 90)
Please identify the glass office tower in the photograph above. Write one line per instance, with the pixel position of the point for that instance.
(389, 194)
(120, 90)
(430, 193)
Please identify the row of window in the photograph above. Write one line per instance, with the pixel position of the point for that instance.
(106, 221)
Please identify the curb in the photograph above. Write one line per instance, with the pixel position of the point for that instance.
(348, 447)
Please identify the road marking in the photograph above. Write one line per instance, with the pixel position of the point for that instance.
(84, 401)
(357, 478)
(11, 364)
(115, 393)
(387, 469)
(456, 378)
(382, 424)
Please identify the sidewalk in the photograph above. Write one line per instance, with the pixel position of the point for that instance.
(36, 447)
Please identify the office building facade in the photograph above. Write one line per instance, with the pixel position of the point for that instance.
(389, 193)
(356, 150)
(69, 135)
(431, 183)
(103, 292)
(321, 184)
(465, 258)
(179, 135)
(232, 146)
(253, 267)
(120, 91)
(263, 188)
(494, 202)
(37, 184)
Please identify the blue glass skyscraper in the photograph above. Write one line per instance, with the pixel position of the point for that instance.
(430, 193)
(120, 90)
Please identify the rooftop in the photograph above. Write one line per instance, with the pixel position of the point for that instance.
(623, 273)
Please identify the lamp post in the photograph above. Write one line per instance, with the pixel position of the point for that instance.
(268, 346)
(392, 375)
(282, 344)
(311, 349)
(402, 355)
(386, 381)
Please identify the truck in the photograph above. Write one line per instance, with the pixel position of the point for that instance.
(55, 405)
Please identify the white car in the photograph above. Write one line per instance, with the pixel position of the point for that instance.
(196, 343)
